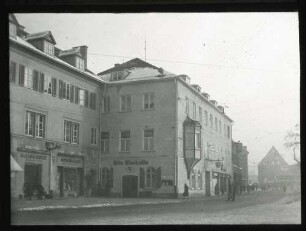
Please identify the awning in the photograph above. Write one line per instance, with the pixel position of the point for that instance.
(15, 166)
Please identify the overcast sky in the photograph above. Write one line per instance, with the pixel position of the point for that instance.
(246, 61)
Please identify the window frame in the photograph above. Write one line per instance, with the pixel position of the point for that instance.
(71, 132)
(149, 139)
(48, 48)
(126, 140)
(125, 103)
(150, 101)
(105, 141)
(105, 105)
(93, 136)
(79, 63)
(35, 124)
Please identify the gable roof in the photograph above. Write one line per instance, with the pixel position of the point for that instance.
(136, 62)
(272, 151)
(41, 35)
(13, 19)
(72, 51)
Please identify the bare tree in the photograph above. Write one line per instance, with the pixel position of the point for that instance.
(292, 142)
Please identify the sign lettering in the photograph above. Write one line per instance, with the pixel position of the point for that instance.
(130, 162)
(33, 156)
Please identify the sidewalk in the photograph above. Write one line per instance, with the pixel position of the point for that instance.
(94, 202)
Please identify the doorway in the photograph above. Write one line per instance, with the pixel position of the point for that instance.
(130, 186)
(32, 174)
(207, 183)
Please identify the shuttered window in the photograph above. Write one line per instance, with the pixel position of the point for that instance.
(105, 107)
(92, 100)
(13, 71)
(150, 178)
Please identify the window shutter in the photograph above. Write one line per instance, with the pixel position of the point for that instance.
(60, 90)
(13, 72)
(21, 75)
(86, 98)
(142, 177)
(72, 93)
(53, 86)
(94, 101)
(76, 95)
(158, 177)
(41, 82)
(35, 80)
(111, 175)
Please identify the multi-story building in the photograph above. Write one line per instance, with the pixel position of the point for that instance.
(54, 113)
(240, 165)
(159, 132)
(135, 129)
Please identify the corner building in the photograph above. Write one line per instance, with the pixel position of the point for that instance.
(53, 112)
(158, 132)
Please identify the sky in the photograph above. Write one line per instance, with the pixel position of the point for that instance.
(247, 62)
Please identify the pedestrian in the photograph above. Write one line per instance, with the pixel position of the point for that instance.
(234, 192)
(186, 191)
(229, 191)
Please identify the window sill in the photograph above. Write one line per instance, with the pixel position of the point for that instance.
(124, 152)
(124, 111)
(148, 109)
(148, 150)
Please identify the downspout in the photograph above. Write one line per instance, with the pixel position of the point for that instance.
(176, 140)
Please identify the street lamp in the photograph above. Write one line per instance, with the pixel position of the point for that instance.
(50, 146)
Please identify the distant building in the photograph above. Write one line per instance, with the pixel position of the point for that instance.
(274, 171)
(240, 165)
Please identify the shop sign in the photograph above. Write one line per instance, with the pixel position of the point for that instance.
(130, 162)
(33, 157)
(66, 161)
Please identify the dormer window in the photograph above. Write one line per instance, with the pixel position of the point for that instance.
(79, 63)
(48, 48)
(12, 30)
(117, 75)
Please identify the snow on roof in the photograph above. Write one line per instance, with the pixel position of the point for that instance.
(71, 51)
(24, 43)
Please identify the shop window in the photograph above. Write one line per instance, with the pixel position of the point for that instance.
(125, 141)
(35, 124)
(125, 103)
(148, 101)
(148, 140)
(93, 136)
(105, 142)
(71, 132)
(105, 107)
(150, 177)
(70, 179)
(106, 177)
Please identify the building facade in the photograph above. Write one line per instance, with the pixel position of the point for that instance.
(157, 136)
(54, 113)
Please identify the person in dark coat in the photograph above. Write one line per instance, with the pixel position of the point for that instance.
(186, 191)
(27, 188)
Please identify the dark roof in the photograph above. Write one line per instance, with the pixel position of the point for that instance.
(39, 35)
(136, 62)
(272, 151)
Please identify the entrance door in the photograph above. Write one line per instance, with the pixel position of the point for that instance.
(32, 174)
(207, 183)
(130, 186)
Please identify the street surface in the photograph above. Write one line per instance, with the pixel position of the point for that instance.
(255, 208)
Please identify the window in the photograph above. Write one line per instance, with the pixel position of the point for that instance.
(82, 97)
(151, 178)
(148, 140)
(148, 101)
(106, 177)
(200, 115)
(79, 63)
(93, 139)
(12, 30)
(224, 130)
(211, 121)
(192, 182)
(187, 105)
(228, 132)
(220, 126)
(125, 141)
(64, 90)
(125, 103)
(49, 85)
(197, 137)
(105, 107)
(28, 77)
(117, 75)
(70, 179)
(71, 132)
(194, 110)
(105, 142)
(35, 124)
(48, 48)
(92, 101)
(13, 72)
(206, 118)
(216, 124)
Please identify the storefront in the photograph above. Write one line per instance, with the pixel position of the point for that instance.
(69, 176)
(137, 178)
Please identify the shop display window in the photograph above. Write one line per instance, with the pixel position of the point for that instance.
(70, 179)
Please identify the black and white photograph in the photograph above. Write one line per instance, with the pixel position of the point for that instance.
(154, 118)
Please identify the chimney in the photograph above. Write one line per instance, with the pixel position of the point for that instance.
(214, 102)
(185, 78)
(197, 87)
(206, 96)
(83, 50)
